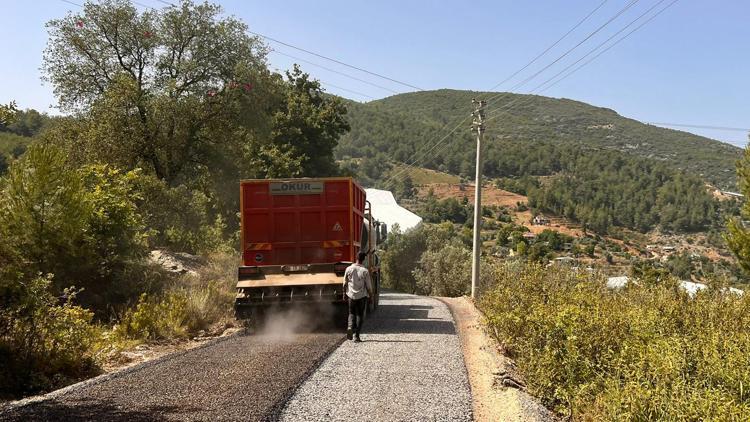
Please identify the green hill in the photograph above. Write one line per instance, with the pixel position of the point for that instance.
(400, 126)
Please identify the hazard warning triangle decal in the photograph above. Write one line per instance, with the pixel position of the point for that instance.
(337, 227)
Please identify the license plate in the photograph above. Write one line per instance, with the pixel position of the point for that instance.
(295, 268)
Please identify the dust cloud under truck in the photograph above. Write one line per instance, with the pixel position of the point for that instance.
(298, 237)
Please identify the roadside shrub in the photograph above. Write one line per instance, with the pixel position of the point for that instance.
(403, 252)
(44, 344)
(647, 352)
(157, 318)
(80, 224)
(444, 272)
(191, 304)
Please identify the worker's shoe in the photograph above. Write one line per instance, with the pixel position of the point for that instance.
(357, 339)
(349, 333)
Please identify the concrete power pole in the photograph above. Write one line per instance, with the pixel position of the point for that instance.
(478, 127)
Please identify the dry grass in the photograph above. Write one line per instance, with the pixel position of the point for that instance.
(648, 352)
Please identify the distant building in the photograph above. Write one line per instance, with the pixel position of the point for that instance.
(691, 287)
(540, 220)
(563, 260)
(617, 282)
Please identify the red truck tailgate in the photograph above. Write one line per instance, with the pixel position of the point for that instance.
(300, 221)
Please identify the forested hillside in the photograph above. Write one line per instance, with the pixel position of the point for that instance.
(598, 168)
(399, 127)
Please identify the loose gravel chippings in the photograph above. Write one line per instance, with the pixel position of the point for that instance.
(409, 367)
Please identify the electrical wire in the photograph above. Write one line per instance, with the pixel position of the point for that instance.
(593, 50)
(612, 45)
(495, 113)
(516, 100)
(735, 129)
(585, 18)
(345, 89)
(570, 50)
(71, 2)
(492, 98)
(333, 71)
(335, 61)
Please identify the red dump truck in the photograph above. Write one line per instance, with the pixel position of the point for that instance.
(298, 237)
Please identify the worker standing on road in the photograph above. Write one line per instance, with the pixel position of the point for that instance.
(358, 289)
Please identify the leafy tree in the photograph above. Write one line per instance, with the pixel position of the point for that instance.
(404, 251)
(309, 123)
(184, 93)
(449, 209)
(405, 187)
(157, 85)
(738, 235)
(81, 225)
(27, 123)
(7, 113)
(445, 271)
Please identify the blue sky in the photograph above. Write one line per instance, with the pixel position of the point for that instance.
(689, 65)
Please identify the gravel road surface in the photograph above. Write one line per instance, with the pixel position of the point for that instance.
(409, 366)
(246, 378)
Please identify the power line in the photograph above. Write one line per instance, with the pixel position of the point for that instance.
(602, 26)
(334, 71)
(326, 58)
(585, 18)
(735, 129)
(345, 89)
(610, 46)
(335, 61)
(518, 85)
(73, 3)
(498, 111)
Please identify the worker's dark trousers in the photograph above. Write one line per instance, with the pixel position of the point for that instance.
(356, 314)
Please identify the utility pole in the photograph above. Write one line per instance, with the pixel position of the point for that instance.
(477, 126)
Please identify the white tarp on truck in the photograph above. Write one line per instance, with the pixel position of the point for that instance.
(385, 209)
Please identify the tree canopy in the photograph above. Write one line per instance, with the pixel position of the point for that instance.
(185, 94)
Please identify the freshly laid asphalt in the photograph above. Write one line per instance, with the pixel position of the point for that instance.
(409, 367)
(244, 378)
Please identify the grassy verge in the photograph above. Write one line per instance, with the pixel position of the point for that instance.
(47, 344)
(188, 305)
(648, 352)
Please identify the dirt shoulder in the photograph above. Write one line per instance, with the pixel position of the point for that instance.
(149, 351)
(495, 391)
